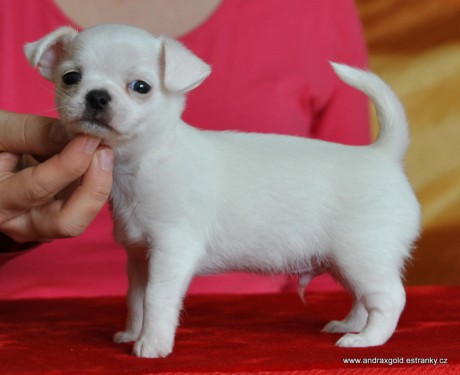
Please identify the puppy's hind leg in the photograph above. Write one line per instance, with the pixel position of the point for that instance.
(376, 282)
(137, 276)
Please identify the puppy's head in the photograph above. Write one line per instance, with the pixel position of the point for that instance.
(116, 81)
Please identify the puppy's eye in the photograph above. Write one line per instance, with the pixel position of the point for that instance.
(71, 78)
(140, 86)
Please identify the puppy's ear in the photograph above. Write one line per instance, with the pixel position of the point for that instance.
(182, 70)
(47, 52)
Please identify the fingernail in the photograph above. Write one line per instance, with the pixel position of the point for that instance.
(106, 159)
(91, 144)
(58, 134)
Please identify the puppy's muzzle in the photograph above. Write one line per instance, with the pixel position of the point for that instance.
(97, 113)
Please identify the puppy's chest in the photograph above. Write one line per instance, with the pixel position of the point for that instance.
(126, 203)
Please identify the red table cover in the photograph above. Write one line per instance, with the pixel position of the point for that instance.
(263, 334)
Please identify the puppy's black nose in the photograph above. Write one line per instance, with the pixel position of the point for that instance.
(98, 99)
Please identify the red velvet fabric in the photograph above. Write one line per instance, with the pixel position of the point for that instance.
(227, 334)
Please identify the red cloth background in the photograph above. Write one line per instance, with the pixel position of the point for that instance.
(225, 334)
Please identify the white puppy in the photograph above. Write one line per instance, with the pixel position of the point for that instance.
(188, 202)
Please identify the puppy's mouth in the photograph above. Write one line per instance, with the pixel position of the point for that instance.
(91, 123)
(93, 126)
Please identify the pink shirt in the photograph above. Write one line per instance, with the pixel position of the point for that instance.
(270, 74)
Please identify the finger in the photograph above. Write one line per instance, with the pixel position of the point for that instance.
(59, 219)
(35, 186)
(89, 197)
(21, 229)
(20, 134)
(8, 161)
(70, 218)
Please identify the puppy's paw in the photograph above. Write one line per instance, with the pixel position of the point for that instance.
(342, 326)
(125, 336)
(351, 340)
(145, 348)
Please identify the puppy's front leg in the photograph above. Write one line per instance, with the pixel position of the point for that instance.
(171, 266)
(137, 275)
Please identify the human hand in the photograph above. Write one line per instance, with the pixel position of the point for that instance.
(29, 208)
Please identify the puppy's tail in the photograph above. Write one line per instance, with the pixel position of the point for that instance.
(393, 137)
